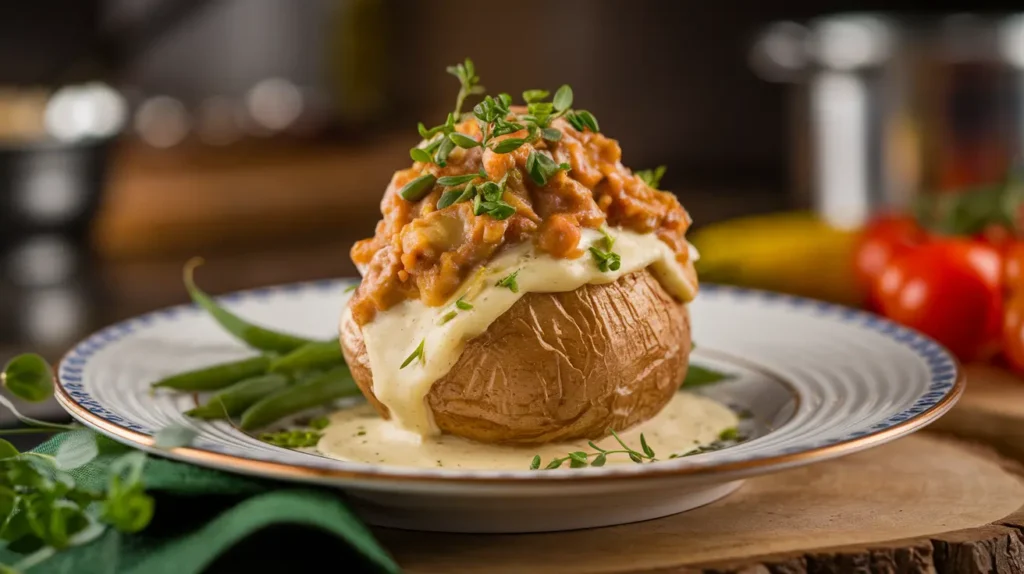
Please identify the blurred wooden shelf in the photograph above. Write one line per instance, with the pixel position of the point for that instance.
(160, 202)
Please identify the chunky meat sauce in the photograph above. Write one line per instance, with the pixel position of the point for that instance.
(419, 251)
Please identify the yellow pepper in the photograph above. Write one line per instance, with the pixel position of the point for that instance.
(791, 252)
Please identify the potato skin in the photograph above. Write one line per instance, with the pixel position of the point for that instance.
(558, 366)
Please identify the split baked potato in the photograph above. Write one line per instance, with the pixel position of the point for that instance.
(558, 366)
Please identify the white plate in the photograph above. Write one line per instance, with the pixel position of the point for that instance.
(821, 381)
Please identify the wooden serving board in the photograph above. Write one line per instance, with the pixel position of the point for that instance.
(942, 500)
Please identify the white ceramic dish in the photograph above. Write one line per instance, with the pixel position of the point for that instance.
(820, 380)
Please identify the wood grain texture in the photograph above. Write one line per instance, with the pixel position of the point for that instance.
(920, 504)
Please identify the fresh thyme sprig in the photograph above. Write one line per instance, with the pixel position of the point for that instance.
(652, 177)
(580, 459)
(442, 139)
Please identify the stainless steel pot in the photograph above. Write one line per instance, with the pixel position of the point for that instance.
(885, 106)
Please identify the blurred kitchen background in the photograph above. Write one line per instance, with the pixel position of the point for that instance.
(260, 134)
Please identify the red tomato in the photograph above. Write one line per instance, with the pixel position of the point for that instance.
(1013, 266)
(951, 290)
(883, 239)
(1013, 332)
(997, 236)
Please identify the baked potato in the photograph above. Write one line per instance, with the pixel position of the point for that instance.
(558, 366)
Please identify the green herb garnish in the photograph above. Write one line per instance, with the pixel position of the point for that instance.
(319, 423)
(731, 433)
(580, 459)
(541, 167)
(697, 375)
(606, 260)
(453, 180)
(652, 177)
(582, 120)
(453, 196)
(447, 317)
(464, 305)
(351, 288)
(292, 438)
(609, 241)
(417, 188)
(417, 354)
(509, 281)
(488, 200)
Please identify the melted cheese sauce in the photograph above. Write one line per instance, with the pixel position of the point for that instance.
(358, 434)
(395, 334)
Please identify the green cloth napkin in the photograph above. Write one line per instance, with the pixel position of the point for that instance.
(211, 521)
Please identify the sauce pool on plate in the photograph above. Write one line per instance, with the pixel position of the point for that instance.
(358, 434)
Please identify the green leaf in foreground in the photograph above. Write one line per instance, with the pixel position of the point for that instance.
(77, 449)
(697, 376)
(28, 377)
(252, 335)
(7, 450)
(174, 436)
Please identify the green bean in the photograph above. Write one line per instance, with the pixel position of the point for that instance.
(311, 356)
(235, 399)
(313, 391)
(216, 376)
(253, 335)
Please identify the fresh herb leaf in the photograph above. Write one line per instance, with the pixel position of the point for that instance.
(420, 154)
(508, 145)
(174, 436)
(449, 198)
(447, 317)
(319, 423)
(535, 463)
(643, 445)
(599, 460)
(541, 167)
(292, 438)
(28, 377)
(417, 354)
(563, 98)
(417, 188)
(731, 433)
(531, 96)
(464, 305)
(78, 448)
(652, 177)
(697, 375)
(469, 82)
(582, 120)
(427, 134)
(509, 282)
(499, 210)
(444, 149)
(462, 140)
(606, 260)
(551, 134)
(609, 241)
(453, 180)
(7, 450)
(351, 288)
